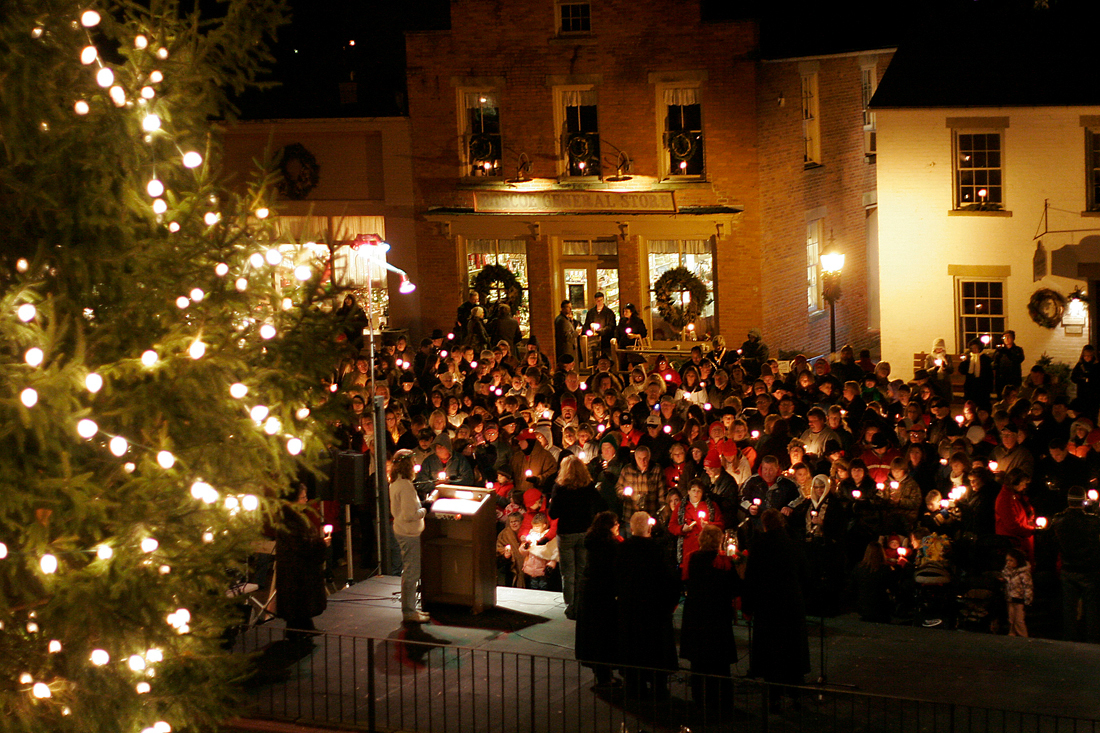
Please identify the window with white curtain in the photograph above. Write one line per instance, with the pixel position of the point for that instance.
(510, 253)
(482, 133)
(580, 132)
(694, 254)
(683, 134)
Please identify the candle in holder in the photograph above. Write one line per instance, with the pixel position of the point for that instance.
(1093, 495)
(489, 485)
(702, 515)
(668, 377)
(939, 362)
(327, 530)
(707, 406)
(450, 337)
(1041, 522)
(628, 330)
(416, 468)
(600, 428)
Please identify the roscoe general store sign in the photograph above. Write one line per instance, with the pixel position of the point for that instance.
(573, 202)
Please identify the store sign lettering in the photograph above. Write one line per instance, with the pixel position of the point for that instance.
(572, 202)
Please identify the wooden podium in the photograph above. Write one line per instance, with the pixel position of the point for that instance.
(458, 546)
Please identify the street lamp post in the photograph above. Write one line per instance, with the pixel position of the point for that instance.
(831, 265)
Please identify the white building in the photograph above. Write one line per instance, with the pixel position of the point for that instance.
(988, 192)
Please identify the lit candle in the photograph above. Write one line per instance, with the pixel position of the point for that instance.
(628, 491)
(945, 503)
(489, 485)
(442, 475)
(894, 484)
(880, 486)
(450, 337)
(702, 515)
(993, 466)
(528, 473)
(959, 419)
(706, 406)
(903, 551)
(473, 364)
(755, 434)
(547, 414)
(416, 468)
(756, 502)
(943, 461)
(667, 429)
(939, 362)
(328, 530)
(652, 521)
(668, 377)
(856, 493)
(1093, 495)
(600, 428)
(628, 329)
(1041, 522)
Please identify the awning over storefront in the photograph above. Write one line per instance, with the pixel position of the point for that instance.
(330, 229)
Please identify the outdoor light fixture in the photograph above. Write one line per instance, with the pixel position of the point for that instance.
(831, 265)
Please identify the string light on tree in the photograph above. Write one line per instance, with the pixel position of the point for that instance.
(88, 55)
(140, 42)
(81, 107)
(256, 260)
(154, 188)
(118, 446)
(197, 294)
(273, 257)
(156, 77)
(118, 95)
(211, 218)
(93, 382)
(267, 332)
(89, 19)
(105, 77)
(262, 213)
(148, 92)
(191, 159)
(142, 688)
(162, 53)
(87, 429)
(241, 284)
(41, 690)
(174, 227)
(149, 545)
(26, 312)
(34, 356)
(48, 564)
(149, 358)
(221, 269)
(182, 302)
(238, 390)
(198, 348)
(259, 413)
(165, 459)
(294, 446)
(29, 397)
(100, 657)
(104, 552)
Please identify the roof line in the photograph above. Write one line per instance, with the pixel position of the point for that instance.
(820, 57)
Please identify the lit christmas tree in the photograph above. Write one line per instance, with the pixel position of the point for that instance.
(162, 377)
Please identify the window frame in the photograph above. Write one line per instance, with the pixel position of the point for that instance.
(811, 119)
(559, 19)
(957, 188)
(467, 134)
(962, 335)
(669, 171)
(561, 114)
(815, 290)
(681, 255)
(868, 83)
(1092, 168)
(522, 314)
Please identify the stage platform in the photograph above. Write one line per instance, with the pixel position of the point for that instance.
(526, 644)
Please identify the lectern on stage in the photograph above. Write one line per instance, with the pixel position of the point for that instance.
(459, 549)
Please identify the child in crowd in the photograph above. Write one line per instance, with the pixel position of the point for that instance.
(509, 553)
(1018, 590)
(538, 560)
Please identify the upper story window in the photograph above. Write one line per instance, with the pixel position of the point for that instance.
(978, 170)
(868, 84)
(574, 17)
(811, 125)
(482, 133)
(580, 132)
(683, 132)
(814, 230)
(1092, 168)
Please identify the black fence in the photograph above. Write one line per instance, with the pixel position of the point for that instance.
(416, 684)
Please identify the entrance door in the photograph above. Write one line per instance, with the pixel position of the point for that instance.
(589, 267)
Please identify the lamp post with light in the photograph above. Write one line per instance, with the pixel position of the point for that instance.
(831, 265)
(374, 251)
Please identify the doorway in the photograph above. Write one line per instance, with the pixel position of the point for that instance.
(588, 267)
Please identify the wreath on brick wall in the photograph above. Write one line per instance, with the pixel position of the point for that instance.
(1046, 307)
(670, 291)
(300, 172)
(497, 285)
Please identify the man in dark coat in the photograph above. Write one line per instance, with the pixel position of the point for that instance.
(978, 370)
(601, 320)
(1008, 358)
(565, 331)
(648, 588)
(300, 551)
(774, 578)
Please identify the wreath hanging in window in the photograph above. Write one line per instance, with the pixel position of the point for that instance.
(498, 285)
(680, 297)
(300, 172)
(1046, 307)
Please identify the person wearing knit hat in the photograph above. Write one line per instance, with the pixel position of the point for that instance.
(532, 465)
(722, 486)
(444, 466)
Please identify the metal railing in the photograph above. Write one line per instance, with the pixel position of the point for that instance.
(417, 684)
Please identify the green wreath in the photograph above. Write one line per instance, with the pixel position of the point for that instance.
(668, 290)
(1046, 307)
(300, 172)
(497, 285)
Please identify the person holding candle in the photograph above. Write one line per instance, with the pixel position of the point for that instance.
(443, 466)
(573, 503)
(1015, 518)
(539, 557)
(631, 329)
(902, 496)
(978, 369)
(1011, 454)
(646, 482)
(940, 366)
(688, 522)
(706, 632)
(1077, 532)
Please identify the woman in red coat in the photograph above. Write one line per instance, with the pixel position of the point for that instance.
(1015, 517)
(688, 522)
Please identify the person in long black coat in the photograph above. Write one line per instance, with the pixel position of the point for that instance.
(595, 644)
(775, 575)
(647, 586)
(706, 632)
(300, 550)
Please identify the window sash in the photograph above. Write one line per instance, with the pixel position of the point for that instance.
(1092, 169)
(684, 132)
(979, 162)
(574, 17)
(810, 127)
(813, 266)
(980, 310)
(694, 254)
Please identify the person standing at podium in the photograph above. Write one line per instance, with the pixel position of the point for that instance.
(408, 523)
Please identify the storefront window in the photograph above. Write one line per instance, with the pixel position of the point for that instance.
(509, 253)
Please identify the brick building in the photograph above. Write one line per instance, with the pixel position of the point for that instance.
(593, 145)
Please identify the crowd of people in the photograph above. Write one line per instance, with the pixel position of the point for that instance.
(822, 487)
